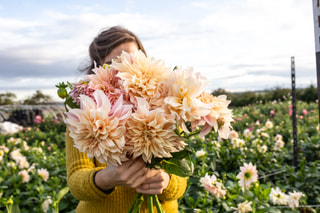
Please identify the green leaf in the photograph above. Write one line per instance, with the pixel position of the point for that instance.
(70, 103)
(182, 168)
(182, 154)
(30, 200)
(62, 193)
(272, 210)
(15, 208)
(226, 207)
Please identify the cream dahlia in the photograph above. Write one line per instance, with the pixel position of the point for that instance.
(269, 124)
(248, 174)
(25, 176)
(244, 207)
(44, 174)
(213, 186)
(97, 128)
(233, 134)
(294, 198)
(141, 75)
(278, 197)
(181, 100)
(219, 117)
(150, 133)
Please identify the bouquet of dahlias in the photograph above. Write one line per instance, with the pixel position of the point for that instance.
(139, 107)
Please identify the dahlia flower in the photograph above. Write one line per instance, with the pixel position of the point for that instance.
(279, 144)
(23, 163)
(248, 174)
(278, 197)
(150, 133)
(233, 134)
(200, 153)
(25, 176)
(219, 117)
(237, 142)
(244, 207)
(141, 75)
(278, 137)
(211, 184)
(97, 128)
(269, 124)
(15, 154)
(45, 205)
(80, 88)
(105, 79)
(44, 174)
(293, 199)
(247, 133)
(181, 100)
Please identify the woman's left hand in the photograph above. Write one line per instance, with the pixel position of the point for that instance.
(156, 182)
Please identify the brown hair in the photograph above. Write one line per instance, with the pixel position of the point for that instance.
(106, 41)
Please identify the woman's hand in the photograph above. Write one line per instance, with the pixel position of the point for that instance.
(156, 182)
(131, 173)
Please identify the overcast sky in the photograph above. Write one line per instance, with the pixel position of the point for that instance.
(239, 45)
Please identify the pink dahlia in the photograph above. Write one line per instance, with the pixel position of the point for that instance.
(105, 79)
(80, 88)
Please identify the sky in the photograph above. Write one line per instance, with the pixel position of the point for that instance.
(239, 45)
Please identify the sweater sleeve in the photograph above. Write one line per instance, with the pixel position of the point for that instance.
(175, 189)
(80, 173)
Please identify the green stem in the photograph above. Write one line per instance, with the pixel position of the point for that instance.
(8, 207)
(150, 203)
(136, 201)
(138, 207)
(192, 134)
(158, 204)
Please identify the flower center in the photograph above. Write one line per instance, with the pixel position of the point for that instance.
(247, 175)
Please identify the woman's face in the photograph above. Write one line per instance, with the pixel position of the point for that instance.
(128, 47)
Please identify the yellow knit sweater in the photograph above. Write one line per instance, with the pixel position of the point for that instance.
(80, 174)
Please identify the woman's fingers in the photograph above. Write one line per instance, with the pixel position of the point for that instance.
(132, 173)
(156, 182)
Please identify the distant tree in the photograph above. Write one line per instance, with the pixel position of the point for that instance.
(277, 94)
(308, 94)
(37, 98)
(220, 91)
(7, 98)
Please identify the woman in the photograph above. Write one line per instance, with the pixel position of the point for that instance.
(106, 188)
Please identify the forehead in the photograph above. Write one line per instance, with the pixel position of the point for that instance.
(127, 47)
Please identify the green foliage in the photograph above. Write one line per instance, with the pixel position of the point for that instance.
(223, 158)
(44, 147)
(7, 98)
(37, 98)
(238, 99)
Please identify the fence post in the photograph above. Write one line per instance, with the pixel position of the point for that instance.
(294, 117)
(316, 20)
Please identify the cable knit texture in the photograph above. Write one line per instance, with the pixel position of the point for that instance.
(80, 174)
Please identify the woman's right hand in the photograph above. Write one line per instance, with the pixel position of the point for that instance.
(131, 174)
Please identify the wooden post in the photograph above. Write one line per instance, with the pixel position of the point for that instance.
(316, 20)
(294, 114)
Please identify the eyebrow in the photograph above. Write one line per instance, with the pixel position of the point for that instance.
(107, 62)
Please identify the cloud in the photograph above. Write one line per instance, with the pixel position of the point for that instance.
(237, 44)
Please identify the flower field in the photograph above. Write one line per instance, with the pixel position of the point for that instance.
(252, 171)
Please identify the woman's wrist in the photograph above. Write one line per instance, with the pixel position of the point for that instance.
(98, 181)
